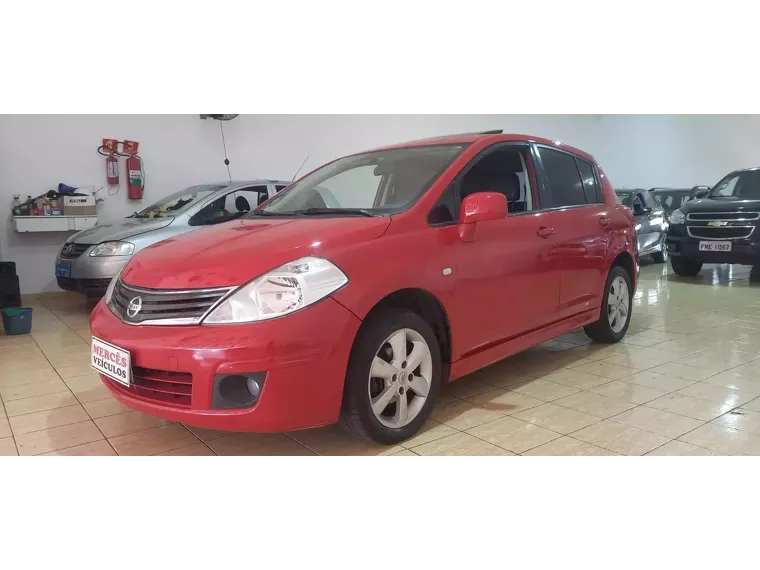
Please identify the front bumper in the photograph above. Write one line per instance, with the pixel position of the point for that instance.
(90, 274)
(304, 356)
(743, 251)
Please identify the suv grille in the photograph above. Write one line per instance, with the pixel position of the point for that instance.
(725, 216)
(169, 388)
(74, 250)
(728, 232)
(158, 307)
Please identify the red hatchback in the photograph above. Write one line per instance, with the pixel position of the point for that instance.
(356, 293)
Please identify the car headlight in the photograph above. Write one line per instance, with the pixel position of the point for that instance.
(111, 285)
(280, 292)
(112, 248)
(677, 217)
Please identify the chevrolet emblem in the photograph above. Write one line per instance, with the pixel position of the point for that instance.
(717, 224)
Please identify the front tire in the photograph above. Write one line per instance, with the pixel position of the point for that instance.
(662, 255)
(685, 267)
(615, 314)
(393, 378)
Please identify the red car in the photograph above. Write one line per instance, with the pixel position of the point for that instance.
(361, 289)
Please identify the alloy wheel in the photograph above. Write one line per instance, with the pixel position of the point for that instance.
(618, 304)
(400, 377)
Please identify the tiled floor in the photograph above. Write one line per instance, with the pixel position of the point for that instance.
(685, 381)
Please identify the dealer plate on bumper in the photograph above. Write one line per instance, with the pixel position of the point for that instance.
(715, 246)
(111, 361)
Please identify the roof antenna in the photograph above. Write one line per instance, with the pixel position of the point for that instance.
(299, 168)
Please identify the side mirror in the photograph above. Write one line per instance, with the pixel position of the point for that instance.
(480, 207)
(699, 194)
(639, 210)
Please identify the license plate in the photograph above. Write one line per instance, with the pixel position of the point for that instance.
(715, 246)
(111, 361)
(63, 269)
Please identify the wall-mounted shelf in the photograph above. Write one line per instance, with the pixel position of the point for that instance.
(24, 224)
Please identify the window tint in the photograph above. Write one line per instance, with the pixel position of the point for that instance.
(498, 169)
(593, 196)
(650, 201)
(564, 179)
(445, 210)
(638, 203)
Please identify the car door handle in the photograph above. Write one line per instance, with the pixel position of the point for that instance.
(544, 232)
(604, 222)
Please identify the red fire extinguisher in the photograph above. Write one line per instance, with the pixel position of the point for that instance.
(112, 170)
(135, 182)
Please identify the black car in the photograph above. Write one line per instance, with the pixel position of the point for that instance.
(651, 222)
(719, 228)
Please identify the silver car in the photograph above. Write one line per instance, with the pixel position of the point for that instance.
(90, 259)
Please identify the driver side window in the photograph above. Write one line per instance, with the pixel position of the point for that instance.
(727, 188)
(638, 204)
(230, 206)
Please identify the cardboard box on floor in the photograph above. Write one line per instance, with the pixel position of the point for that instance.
(79, 206)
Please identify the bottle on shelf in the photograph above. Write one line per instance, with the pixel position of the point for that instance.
(16, 204)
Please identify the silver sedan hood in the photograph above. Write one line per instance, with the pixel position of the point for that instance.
(129, 227)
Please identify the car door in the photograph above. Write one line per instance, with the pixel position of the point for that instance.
(656, 217)
(645, 232)
(503, 286)
(581, 229)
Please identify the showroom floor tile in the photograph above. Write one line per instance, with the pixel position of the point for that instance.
(685, 381)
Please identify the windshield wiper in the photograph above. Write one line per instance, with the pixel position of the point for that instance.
(340, 211)
(265, 213)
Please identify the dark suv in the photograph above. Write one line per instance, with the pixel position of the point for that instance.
(719, 228)
(651, 222)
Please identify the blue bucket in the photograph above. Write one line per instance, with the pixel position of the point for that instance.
(17, 321)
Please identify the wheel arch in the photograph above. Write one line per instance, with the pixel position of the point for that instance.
(429, 307)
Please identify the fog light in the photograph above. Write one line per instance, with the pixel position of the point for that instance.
(235, 391)
(254, 388)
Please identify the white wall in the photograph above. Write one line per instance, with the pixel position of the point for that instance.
(39, 151)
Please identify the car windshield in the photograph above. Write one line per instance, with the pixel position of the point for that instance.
(175, 203)
(672, 200)
(626, 198)
(374, 183)
(738, 186)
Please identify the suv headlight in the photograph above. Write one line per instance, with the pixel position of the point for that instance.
(111, 285)
(280, 292)
(112, 248)
(677, 217)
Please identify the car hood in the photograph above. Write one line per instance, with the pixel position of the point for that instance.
(129, 227)
(232, 254)
(721, 205)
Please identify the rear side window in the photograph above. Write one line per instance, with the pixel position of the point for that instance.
(590, 187)
(564, 180)
(279, 188)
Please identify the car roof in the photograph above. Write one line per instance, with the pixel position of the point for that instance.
(494, 136)
(656, 190)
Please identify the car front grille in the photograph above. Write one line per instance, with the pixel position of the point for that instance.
(74, 250)
(726, 232)
(161, 307)
(723, 216)
(168, 388)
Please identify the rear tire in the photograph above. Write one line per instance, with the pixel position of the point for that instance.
(380, 364)
(662, 255)
(685, 267)
(613, 324)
